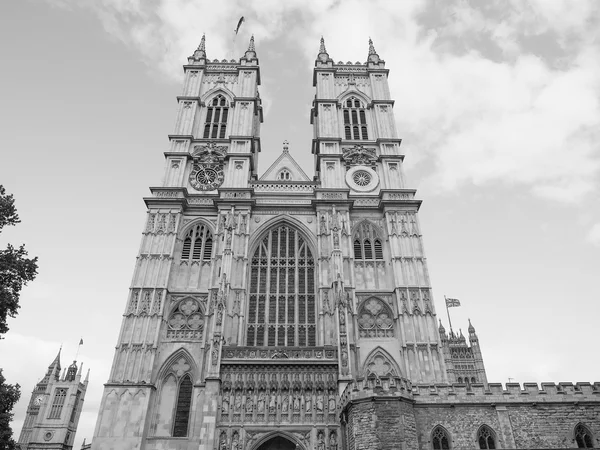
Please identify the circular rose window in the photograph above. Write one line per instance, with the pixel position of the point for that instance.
(362, 179)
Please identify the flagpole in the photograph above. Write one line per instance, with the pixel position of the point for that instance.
(78, 347)
(448, 312)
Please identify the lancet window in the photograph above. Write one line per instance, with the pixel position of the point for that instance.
(355, 121)
(282, 310)
(440, 439)
(197, 244)
(60, 394)
(182, 408)
(367, 243)
(216, 118)
(485, 437)
(583, 436)
(285, 175)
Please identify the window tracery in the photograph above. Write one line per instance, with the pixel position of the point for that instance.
(183, 406)
(440, 439)
(583, 436)
(485, 438)
(375, 319)
(355, 121)
(186, 320)
(282, 310)
(367, 243)
(197, 244)
(216, 118)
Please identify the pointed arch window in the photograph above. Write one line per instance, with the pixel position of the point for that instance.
(284, 175)
(282, 309)
(375, 319)
(485, 437)
(583, 436)
(367, 244)
(216, 118)
(197, 244)
(440, 439)
(60, 394)
(355, 120)
(182, 408)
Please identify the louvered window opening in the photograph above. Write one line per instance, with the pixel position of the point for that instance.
(57, 403)
(197, 244)
(182, 410)
(368, 249)
(216, 118)
(282, 310)
(355, 121)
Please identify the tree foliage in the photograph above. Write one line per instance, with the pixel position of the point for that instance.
(9, 395)
(16, 269)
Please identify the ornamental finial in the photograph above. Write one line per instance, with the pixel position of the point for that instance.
(371, 48)
(251, 45)
(202, 46)
(322, 48)
(286, 146)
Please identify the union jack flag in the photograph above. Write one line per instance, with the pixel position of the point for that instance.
(450, 302)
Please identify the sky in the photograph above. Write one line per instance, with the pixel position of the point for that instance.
(497, 103)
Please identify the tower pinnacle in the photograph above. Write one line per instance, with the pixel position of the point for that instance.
(202, 46)
(200, 52)
(371, 47)
(251, 44)
(322, 48)
(373, 56)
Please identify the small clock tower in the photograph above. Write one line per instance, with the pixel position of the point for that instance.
(54, 409)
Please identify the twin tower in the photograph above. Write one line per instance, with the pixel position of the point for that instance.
(261, 308)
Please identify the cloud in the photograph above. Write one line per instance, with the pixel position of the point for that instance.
(503, 92)
(593, 235)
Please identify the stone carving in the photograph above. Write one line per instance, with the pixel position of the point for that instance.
(207, 171)
(359, 156)
(186, 320)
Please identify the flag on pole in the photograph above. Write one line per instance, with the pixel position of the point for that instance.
(239, 24)
(81, 341)
(450, 302)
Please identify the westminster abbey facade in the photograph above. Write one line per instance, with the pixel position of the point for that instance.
(274, 311)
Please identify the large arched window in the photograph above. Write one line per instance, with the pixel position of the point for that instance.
(197, 244)
(282, 310)
(182, 407)
(367, 243)
(485, 437)
(440, 439)
(355, 121)
(583, 436)
(216, 118)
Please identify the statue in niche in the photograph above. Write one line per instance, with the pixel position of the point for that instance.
(285, 400)
(243, 224)
(249, 404)
(220, 308)
(331, 403)
(260, 406)
(308, 402)
(235, 441)
(297, 403)
(273, 403)
(333, 441)
(336, 240)
(238, 403)
(223, 441)
(320, 403)
(326, 302)
(228, 242)
(320, 441)
(229, 223)
(225, 406)
(323, 225)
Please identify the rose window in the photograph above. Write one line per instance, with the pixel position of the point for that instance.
(186, 321)
(375, 319)
(362, 178)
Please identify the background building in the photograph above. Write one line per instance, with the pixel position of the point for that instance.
(282, 312)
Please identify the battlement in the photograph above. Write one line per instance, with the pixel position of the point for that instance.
(492, 393)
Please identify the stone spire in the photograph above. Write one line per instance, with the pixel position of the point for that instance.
(251, 52)
(323, 56)
(200, 52)
(373, 56)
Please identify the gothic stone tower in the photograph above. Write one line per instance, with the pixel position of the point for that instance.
(54, 409)
(256, 302)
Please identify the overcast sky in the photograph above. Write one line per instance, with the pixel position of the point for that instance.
(497, 103)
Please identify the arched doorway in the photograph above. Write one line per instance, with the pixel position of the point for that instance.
(277, 443)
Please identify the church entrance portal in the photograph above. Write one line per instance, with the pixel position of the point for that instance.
(277, 443)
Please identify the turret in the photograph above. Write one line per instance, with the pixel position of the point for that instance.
(71, 372)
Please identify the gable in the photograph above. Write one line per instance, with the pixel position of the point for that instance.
(286, 163)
